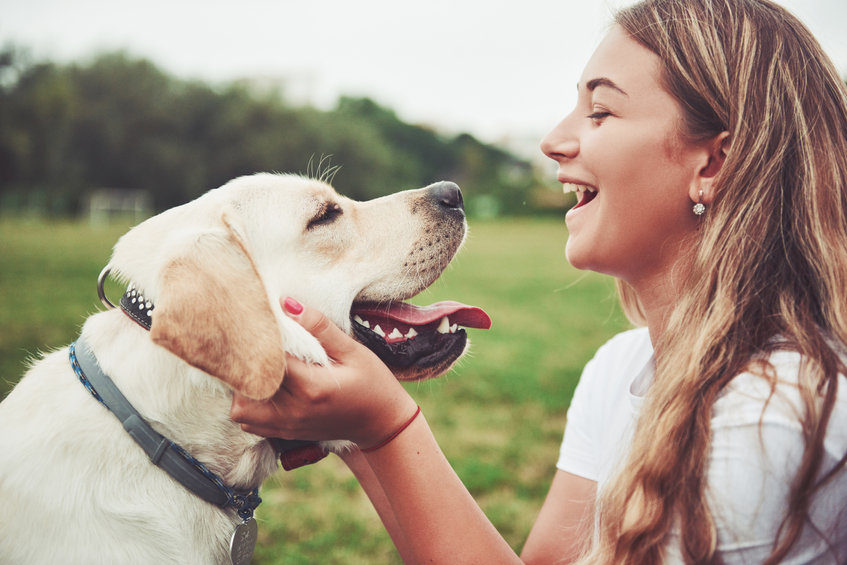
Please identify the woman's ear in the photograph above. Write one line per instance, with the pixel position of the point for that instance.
(717, 147)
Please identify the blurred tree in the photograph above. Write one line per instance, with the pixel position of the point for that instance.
(34, 141)
(121, 122)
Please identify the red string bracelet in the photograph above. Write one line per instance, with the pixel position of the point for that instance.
(388, 440)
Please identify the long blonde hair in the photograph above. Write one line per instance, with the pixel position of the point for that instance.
(771, 260)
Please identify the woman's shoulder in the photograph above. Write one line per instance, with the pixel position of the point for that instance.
(628, 343)
(614, 366)
(776, 379)
(620, 359)
(630, 348)
(771, 394)
(756, 449)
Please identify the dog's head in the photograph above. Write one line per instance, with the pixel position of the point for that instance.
(217, 267)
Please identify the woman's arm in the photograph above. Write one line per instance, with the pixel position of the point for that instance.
(441, 521)
(565, 524)
(357, 463)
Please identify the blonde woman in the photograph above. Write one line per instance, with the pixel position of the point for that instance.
(708, 149)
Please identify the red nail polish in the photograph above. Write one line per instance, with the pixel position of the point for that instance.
(292, 306)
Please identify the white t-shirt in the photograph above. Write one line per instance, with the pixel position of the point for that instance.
(756, 449)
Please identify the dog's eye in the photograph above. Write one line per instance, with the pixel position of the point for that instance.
(327, 215)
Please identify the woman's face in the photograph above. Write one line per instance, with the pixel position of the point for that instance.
(635, 178)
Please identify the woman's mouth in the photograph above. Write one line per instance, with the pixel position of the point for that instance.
(584, 193)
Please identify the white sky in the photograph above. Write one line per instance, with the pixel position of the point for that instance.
(495, 68)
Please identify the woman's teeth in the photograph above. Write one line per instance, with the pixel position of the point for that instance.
(578, 188)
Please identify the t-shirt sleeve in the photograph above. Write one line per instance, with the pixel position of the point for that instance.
(578, 453)
(599, 413)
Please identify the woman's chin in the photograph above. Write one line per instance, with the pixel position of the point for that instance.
(577, 257)
(586, 258)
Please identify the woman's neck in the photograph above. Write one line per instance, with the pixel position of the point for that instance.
(659, 290)
(658, 297)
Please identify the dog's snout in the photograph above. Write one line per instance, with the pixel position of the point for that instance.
(447, 194)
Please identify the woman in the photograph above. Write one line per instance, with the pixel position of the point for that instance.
(708, 149)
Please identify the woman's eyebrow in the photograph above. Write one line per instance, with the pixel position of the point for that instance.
(592, 84)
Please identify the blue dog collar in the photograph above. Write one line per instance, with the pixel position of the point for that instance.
(164, 453)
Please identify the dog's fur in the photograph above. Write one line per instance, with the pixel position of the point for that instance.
(74, 487)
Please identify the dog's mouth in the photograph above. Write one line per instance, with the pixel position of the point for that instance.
(416, 342)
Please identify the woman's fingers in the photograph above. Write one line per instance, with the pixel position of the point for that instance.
(264, 432)
(256, 414)
(355, 397)
(335, 342)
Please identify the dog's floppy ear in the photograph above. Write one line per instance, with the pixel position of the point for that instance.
(213, 312)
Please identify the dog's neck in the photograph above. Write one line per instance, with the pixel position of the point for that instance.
(292, 453)
(164, 453)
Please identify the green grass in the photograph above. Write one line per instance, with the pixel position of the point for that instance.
(498, 416)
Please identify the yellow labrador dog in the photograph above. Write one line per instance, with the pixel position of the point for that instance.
(120, 450)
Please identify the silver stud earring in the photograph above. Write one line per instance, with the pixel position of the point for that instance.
(699, 209)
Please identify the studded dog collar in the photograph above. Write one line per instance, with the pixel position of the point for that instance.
(138, 308)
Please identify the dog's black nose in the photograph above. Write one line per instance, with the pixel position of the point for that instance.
(447, 194)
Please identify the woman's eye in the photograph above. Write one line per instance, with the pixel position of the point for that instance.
(598, 117)
(327, 215)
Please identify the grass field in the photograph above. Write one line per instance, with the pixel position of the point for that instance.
(498, 416)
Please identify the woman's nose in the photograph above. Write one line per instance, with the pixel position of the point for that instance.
(561, 142)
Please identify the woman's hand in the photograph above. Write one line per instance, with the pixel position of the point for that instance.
(355, 398)
(429, 513)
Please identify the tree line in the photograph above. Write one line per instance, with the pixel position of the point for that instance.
(119, 121)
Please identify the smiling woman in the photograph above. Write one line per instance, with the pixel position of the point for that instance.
(742, 354)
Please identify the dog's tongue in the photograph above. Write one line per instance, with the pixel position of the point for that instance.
(461, 314)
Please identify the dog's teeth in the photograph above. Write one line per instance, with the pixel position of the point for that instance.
(358, 319)
(412, 333)
(395, 334)
(444, 326)
(378, 331)
(453, 328)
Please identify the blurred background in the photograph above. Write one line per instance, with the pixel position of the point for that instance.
(146, 105)
(111, 111)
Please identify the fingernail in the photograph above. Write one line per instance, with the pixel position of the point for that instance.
(292, 306)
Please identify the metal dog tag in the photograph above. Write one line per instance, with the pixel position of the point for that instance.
(243, 542)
